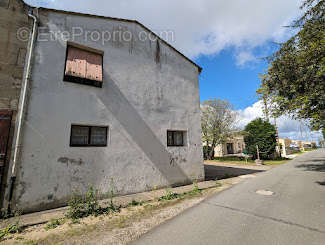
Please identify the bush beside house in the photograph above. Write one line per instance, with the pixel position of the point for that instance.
(262, 134)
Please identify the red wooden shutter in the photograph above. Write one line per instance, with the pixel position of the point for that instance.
(84, 64)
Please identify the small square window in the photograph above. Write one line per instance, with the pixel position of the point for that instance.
(88, 136)
(84, 65)
(176, 138)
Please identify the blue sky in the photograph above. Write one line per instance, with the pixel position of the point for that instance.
(227, 38)
(223, 78)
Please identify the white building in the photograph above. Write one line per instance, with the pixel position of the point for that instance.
(125, 110)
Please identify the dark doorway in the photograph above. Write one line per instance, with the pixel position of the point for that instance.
(5, 122)
(230, 148)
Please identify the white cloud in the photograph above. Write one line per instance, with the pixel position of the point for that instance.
(249, 114)
(288, 127)
(243, 57)
(202, 27)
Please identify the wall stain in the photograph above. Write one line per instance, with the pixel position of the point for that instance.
(68, 161)
(23, 188)
(56, 188)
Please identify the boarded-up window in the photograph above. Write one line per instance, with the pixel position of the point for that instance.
(88, 136)
(84, 66)
(176, 138)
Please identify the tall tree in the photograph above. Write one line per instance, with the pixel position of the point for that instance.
(218, 123)
(295, 80)
(260, 133)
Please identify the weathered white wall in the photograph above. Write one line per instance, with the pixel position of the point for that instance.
(140, 100)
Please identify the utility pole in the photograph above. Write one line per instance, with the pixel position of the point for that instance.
(302, 144)
(265, 95)
(258, 161)
(258, 153)
(311, 136)
(300, 130)
(277, 138)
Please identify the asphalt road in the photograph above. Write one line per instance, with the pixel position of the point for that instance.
(294, 214)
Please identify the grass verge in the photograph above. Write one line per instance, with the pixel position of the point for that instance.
(236, 160)
(68, 231)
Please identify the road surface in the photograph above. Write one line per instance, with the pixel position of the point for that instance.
(293, 215)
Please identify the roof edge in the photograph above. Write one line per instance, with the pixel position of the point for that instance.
(122, 20)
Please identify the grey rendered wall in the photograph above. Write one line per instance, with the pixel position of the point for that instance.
(140, 100)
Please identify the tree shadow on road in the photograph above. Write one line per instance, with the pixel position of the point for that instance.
(222, 172)
(313, 167)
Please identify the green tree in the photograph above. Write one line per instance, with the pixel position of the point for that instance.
(218, 124)
(295, 80)
(321, 142)
(262, 134)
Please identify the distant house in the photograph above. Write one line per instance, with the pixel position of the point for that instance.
(297, 143)
(125, 111)
(289, 146)
(233, 146)
(309, 144)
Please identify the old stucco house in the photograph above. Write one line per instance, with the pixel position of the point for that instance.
(234, 145)
(97, 110)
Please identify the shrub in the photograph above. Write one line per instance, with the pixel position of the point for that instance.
(169, 195)
(206, 150)
(10, 229)
(91, 201)
(135, 203)
(87, 205)
(54, 223)
(262, 133)
(111, 193)
(196, 189)
(76, 207)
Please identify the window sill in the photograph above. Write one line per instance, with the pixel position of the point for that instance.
(83, 81)
(176, 146)
(90, 146)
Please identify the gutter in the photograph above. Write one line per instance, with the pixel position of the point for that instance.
(21, 110)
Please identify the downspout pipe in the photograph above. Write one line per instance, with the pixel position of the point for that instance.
(21, 110)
